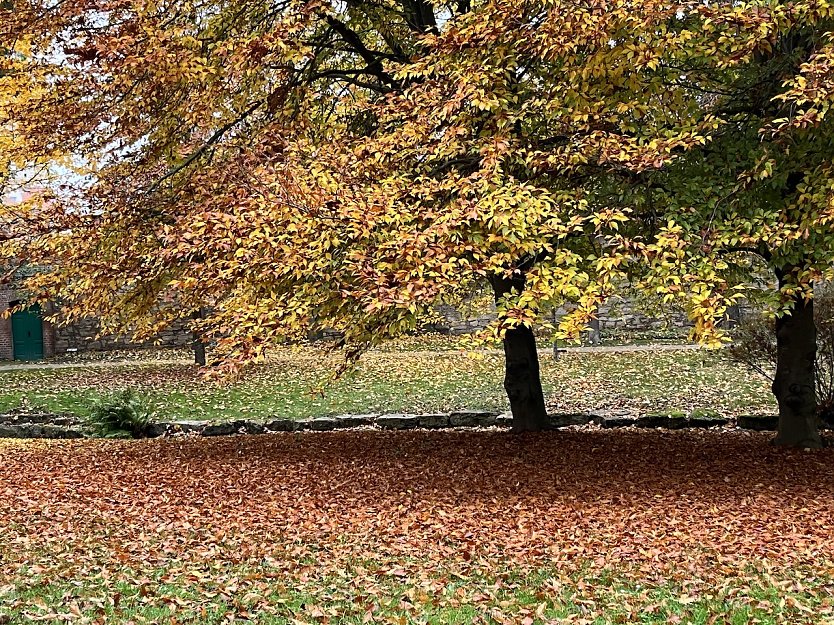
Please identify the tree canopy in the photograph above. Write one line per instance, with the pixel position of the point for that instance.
(296, 165)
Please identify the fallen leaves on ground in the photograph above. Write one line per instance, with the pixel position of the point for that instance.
(417, 527)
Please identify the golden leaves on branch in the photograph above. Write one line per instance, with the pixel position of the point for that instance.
(293, 169)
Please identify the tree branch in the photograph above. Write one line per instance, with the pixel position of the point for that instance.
(218, 134)
(371, 58)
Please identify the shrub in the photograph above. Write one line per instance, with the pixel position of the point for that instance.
(754, 346)
(120, 415)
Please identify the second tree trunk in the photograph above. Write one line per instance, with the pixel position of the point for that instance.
(794, 382)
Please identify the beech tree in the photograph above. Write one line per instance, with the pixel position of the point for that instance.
(759, 193)
(20, 168)
(295, 165)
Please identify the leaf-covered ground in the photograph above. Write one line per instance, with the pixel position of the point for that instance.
(423, 527)
(403, 381)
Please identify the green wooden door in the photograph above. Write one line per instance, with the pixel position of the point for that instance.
(27, 334)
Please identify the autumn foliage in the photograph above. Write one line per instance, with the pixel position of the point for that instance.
(295, 166)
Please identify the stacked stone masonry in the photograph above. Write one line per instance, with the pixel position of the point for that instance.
(617, 315)
(22, 424)
(84, 336)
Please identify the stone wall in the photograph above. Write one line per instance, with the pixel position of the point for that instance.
(623, 314)
(83, 336)
(618, 315)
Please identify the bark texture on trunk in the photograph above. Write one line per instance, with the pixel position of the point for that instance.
(198, 346)
(199, 353)
(522, 379)
(793, 384)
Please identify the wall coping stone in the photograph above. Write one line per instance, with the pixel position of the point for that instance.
(398, 421)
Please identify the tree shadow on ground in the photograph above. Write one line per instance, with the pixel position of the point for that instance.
(609, 495)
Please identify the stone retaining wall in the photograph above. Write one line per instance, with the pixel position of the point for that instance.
(41, 425)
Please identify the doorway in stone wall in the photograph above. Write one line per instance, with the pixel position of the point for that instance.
(27, 334)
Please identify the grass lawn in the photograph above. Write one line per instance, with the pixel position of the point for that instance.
(296, 383)
(592, 527)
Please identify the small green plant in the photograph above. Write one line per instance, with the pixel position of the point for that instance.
(667, 413)
(122, 414)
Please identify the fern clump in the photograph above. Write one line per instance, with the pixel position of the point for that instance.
(122, 414)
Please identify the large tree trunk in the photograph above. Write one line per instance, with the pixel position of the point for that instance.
(522, 379)
(793, 384)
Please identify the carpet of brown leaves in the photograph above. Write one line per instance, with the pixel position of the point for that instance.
(653, 505)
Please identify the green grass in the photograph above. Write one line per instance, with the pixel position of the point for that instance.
(221, 592)
(297, 384)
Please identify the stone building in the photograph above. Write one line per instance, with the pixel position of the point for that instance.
(27, 335)
(24, 335)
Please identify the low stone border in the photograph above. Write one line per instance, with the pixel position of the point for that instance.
(21, 424)
(760, 424)
(34, 430)
(614, 419)
(397, 421)
(25, 424)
